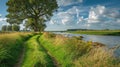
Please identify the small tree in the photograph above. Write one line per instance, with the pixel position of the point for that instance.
(4, 28)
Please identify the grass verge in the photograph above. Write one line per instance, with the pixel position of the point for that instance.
(11, 46)
(71, 52)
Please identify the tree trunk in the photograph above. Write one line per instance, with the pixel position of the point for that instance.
(36, 27)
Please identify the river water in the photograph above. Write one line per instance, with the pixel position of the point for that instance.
(109, 41)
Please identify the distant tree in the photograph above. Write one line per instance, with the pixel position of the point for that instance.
(106, 29)
(9, 28)
(15, 27)
(33, 10)
(4, 28)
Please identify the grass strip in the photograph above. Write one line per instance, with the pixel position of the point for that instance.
(35, 55)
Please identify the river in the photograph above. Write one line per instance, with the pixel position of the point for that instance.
(109, 41)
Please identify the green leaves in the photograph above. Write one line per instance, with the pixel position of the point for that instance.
(35, 9)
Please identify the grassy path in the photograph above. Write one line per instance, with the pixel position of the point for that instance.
(36, 55)
(55, 62)
(18, 64)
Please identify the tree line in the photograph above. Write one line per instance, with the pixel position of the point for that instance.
(11, 28)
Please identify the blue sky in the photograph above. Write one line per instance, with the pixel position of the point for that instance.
(85, 14)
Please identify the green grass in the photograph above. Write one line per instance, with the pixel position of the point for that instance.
(98, 32)
(11, 46)
(65, 50)
(71, 52)
(35, 55)
(39, 50)
(57, 51)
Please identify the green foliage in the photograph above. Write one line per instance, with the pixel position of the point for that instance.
(4, 28)
(11, 28)
(15, 28)
(39, 10)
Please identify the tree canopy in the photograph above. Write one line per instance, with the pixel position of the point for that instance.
(35, 11)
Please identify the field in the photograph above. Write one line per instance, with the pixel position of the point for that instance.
(51, 50)
(98, 32)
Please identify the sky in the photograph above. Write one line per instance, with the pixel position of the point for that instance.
(79, 14)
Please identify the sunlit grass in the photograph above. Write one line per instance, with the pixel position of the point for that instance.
(71, 52)
(35, 55)
(98, 57)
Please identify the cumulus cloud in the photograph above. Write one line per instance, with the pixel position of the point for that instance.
(3, 19)
(52, 22)
(118, 20)
(95, 14)
(70, 16)
(68, 2)
(102, 14)
(103, 17)
(97, 17)
(66, 18)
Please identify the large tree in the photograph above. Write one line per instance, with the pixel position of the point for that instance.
(35, 11)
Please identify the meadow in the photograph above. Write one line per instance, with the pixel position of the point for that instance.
(97, 32)
(51, 50)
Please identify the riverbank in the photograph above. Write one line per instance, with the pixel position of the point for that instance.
(98, 32)
(73, 52)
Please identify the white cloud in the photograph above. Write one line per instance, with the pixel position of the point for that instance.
(102, 14)
(66, 18)
(97, 18)
(52, 22)
(3, 19)
(112, 13)
(80, 19)
(118, 20)
(68, 2)
(95, 14)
